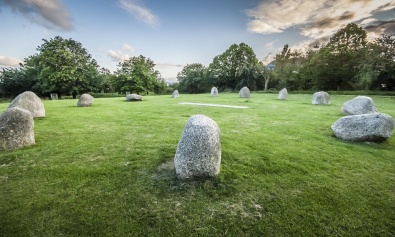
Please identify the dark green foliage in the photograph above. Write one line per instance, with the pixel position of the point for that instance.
(229, 68)
(64, 67)
(194, 78)
(14, 81)
(137, 75)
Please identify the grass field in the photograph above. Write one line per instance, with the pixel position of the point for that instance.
(106, 170)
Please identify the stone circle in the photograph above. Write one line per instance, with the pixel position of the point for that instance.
(31, 102)
(359, 105)
(214, 92)
(85, 100)
(283, 94)
(199, 149)
(175, 94)
(321, 98)
(374, 127)
(16, 129)
(134, 97)
(244, 92)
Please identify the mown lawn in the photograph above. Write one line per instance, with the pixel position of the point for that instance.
(106, 170)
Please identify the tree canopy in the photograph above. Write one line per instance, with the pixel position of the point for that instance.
(227, 67)
(137, 74)
(63, 66)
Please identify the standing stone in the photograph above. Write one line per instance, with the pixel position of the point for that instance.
(244, 92)
(321, 98)
(283, 94)
(16, 129)
(175, 94)
(85, 100)
(199, 149)
(374, 127)
(359, 105)
(134, 97)
(214, 92)
(31, 102)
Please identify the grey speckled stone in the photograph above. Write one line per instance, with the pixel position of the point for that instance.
(134, 97)
(31, 102)
(244, 92)
(199, 149)
(16, 129)
(321, 98)
(175, 94)
(283, 94)
(214, 92)
(359, 105)
(374, 127)
(85, 100)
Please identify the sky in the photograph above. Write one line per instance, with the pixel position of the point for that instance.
(175, 33)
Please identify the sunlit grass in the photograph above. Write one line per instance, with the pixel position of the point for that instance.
(106, 170)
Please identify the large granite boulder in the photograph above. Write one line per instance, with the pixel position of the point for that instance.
(244, 92)
(175, 94)
(31, 102)
(321, 98)
(85, 100)
(283, 94)
(359, 105)
(16, 129)
(134, 97)
(214, 92)
(199, 149)
(373, 127)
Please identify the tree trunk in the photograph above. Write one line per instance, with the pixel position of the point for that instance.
(266, 82)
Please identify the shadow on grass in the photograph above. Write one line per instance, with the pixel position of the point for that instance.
(165, 180)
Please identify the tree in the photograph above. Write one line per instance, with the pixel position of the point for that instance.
(137, 75)
(287, 67)
(341, 57)
(194, 78)
(226, 68)
(377, 67)
(63, 66)
(106, 79)
(14, 81)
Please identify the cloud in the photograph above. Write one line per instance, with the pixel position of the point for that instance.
(135, 8)
(315, 19)
(13, 62)
(268, 59)
(128, 48)
(49, 13)
(169, 65)
(381, 27)
(117, 56)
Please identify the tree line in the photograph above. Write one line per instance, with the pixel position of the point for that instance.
(347, 62)
(65, 67)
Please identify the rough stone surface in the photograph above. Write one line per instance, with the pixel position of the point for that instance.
(85, 100)
(373, 127)
(134, 97)
(321, 98)
(199, 149)
(359, 105)
(16, 129)
(175, 94)
(283, 94)
(214, 92)
(244, 92)
(31, 102)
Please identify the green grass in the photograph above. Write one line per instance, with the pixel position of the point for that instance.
(106, 170)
